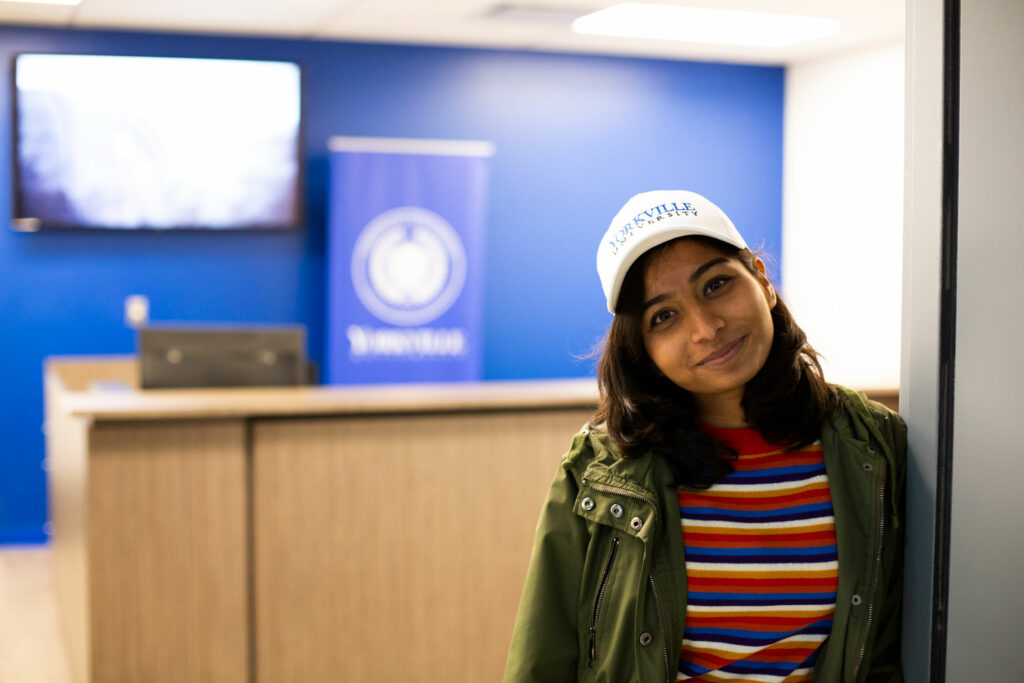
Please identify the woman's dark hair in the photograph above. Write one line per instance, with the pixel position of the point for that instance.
(643, 411)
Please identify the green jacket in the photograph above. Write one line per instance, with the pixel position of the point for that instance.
(605, 596)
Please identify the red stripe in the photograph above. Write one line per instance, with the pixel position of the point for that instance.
(726, 498)
(797, 656)
(767, 542)
(756, 461)
(741, 586)
(747, 622)
(716, 538)
(706, 660)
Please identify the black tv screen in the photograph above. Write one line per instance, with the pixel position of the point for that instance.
(155, 143)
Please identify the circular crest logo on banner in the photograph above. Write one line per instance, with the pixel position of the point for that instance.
(408, 266)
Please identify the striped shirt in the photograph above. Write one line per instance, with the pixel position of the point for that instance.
(761, 565)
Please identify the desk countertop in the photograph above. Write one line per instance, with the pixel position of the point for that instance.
(108, 401)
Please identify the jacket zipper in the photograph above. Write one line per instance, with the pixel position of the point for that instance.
(661, 625)
(862, 650)
(599, 596)
(650, 574)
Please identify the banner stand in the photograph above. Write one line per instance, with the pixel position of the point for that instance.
(406, 222)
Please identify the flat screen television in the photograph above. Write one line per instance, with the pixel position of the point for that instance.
(155, 143)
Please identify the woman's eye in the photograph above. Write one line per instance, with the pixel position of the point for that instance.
(716, 284)
(660, 317)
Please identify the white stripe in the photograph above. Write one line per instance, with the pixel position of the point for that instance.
(761, 567)
(754, 526)
(776, 486)
(466, 148)
(824, 609)
(800, 638)
(760, 678)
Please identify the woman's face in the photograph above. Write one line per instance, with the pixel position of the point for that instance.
(706, 319)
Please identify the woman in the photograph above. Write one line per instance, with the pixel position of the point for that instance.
(729, 516)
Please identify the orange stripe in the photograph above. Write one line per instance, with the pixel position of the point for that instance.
(797, 488)
(781, 611)
(741, 586)
(746, 531)
(809, 543)
(775, 460)
(712, 678)
(710, 536)
(780, 504)
(774, 574)
(713, 662)
(770, 451)
(731, 656)
(748, 624)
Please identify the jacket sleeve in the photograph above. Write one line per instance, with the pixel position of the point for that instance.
(885, 658)
(545, 640)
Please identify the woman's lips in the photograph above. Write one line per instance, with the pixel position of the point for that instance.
(723, 355)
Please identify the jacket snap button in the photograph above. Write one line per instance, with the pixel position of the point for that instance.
(867, 467)
(636, 523)
(616, 510)
(587, 504)
(646, 639)
(871, 449)
(855, 600)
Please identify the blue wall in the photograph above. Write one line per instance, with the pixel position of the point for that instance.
(575, 137)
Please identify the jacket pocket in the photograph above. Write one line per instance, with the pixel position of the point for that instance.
(602, 586)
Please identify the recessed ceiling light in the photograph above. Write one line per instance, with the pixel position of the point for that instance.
(700, 25)
(47, 2)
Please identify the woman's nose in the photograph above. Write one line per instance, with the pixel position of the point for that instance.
(704, 325)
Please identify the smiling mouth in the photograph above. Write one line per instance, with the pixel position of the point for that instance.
(723, 355)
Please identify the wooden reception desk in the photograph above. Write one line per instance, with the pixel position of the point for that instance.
(302, 534)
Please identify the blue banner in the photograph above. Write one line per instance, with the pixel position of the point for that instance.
(405, 260)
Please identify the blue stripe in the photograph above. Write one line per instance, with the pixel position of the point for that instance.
(763, 558)
(780, 602)
(725, 509)
(690, 669)
(807, 471)
(746, 640)
(796, 480)
(764, 668)
(771, 516)
(757, 552)
(759, 597)
(730, 635)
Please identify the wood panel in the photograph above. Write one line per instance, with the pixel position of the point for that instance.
(391, 549)
(167, 513)
(890, 398)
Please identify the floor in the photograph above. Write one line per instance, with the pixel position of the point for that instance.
(31, 649)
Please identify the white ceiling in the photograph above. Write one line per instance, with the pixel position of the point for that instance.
(507, 24)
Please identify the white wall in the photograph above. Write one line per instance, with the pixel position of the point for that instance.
(842, 225)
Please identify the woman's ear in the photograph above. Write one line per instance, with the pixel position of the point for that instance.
(766, 285)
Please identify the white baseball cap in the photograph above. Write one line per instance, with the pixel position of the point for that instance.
(652, 218)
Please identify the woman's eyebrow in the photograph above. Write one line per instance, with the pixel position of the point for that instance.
(653, 301)
(710, 264)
